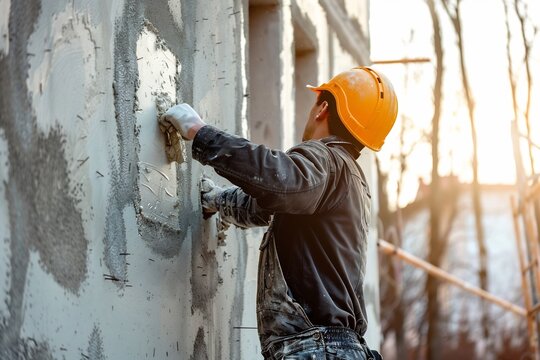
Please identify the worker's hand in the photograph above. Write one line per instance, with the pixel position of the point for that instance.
(184, 119)
(209, 197)
(173, 146)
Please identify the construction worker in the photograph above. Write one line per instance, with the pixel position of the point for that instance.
(316, 201)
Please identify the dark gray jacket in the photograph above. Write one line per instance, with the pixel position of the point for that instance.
(313, 257)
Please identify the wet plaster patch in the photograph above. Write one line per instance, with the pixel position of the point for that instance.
(163, 238)
(124, 166)
(43, 215)
(60, 238)
(179, 37)
(199, 347)
(204, 269)
(44, 218)
(164, 204)
(5, 252)
(26, 350)
(95, 346)
(158, 69)
(115, 233)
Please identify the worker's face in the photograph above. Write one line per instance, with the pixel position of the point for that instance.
(312, 123)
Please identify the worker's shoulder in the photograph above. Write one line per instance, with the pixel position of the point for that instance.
(313, 146)
(326, 144)
(331, 147)
(321, 150)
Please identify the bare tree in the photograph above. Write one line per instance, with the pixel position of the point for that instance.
(395, 297)
(521, 10)
(520, 169)
(453, 12)
(436, 248)
(391, 285)
(391, 297)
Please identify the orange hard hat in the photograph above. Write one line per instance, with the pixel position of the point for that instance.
(366, 103)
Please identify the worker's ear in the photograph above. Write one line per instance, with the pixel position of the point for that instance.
(323, 111)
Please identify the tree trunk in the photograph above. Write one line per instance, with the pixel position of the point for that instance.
(436, 248)
(520, 169)
(521, 12)
(476, 196)
(392, 296)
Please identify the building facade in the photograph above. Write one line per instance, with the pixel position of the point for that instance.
(103, 250)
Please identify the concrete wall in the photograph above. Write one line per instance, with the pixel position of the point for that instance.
(103, 252)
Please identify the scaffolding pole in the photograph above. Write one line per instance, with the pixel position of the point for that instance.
(525, 269)
(437, 272)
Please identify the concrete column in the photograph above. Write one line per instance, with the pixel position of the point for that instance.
(265, 65)
(306, 69)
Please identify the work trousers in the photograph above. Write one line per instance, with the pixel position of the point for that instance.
(320, 343)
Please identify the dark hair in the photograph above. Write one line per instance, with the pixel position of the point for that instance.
(335, 126)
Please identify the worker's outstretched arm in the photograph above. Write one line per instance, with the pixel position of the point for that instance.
(233, 204)
(292, 182)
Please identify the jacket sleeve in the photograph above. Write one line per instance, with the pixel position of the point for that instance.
(238, 208)
(292, 182)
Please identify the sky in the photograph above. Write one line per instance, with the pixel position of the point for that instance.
(391, 24)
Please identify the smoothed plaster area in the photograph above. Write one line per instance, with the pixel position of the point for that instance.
(159, 193)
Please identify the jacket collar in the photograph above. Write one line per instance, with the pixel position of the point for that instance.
(334, 140)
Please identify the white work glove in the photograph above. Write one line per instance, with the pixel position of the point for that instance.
(184, 119)
(209, 196)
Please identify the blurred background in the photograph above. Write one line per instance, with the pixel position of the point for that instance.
(466, 141)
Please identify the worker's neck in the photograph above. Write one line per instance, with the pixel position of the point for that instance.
(320, 133)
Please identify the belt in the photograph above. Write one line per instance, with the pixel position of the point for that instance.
(321, 336)
(339, 334)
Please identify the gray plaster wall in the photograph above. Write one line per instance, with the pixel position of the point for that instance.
(103, 251)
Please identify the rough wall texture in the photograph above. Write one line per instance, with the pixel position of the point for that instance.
(103, 252)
